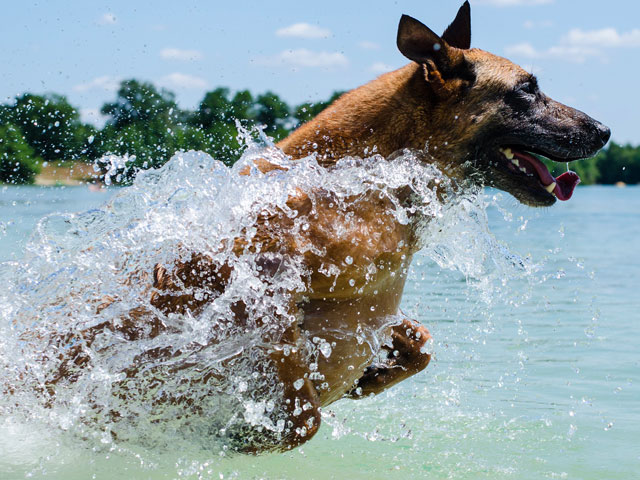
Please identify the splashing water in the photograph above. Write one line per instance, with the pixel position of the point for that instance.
(197, 380)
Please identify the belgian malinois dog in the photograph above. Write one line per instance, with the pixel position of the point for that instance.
(488, 118)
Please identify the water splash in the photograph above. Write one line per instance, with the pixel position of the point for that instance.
(89, 271)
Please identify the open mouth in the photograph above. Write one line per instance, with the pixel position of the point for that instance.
(523, 163)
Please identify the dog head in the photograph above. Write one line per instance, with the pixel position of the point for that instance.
(489, 114)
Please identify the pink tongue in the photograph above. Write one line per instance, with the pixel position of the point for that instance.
(565, 183)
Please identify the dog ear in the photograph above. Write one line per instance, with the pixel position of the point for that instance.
(458, 34)
(419, 43)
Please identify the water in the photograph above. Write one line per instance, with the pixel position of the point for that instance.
(535, 373)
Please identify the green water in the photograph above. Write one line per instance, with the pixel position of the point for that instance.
(542, 383)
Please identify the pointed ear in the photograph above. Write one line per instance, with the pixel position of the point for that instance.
(458, 34)
(419, 43)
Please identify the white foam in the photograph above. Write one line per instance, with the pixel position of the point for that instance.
(196, 204)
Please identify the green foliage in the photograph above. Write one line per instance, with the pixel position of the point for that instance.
(619, 164)
(140, 102)
(274, 113)
(18, 163)
(50, 125)
(215, 108)
(145, 124)
(215, 121)
(242, 105)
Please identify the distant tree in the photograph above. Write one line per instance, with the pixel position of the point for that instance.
(18, 162)
(216, 118)
(274, 113)
(146, 142)
(49, 124)
(141, 102)
(619, 163)
(143, 123)
(5, 114)
(214, 108)
(587, 169)
(86, 147)
(242, 106)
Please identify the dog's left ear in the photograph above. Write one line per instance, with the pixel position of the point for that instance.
(458, 34)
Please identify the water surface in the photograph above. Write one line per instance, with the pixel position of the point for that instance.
(534, 377)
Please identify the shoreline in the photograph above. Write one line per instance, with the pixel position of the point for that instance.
(77, 174)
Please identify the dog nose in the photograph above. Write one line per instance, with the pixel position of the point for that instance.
(604, 133)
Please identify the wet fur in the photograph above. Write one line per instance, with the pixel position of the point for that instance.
(459, 104)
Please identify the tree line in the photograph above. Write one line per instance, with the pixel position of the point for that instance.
(143, 121)
(146, 122)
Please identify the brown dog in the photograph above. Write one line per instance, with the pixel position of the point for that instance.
(477, 108)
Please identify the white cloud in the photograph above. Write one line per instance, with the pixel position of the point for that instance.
(530, 24)
(571, 53)
(606, 37)
(179, 54)
(107, 19)
(182, 80)
(522, 50)
(368, 45)
(511, 3)
(578, 45)
(302, 58)
(380, 67)
(106, 83)
(303, 30)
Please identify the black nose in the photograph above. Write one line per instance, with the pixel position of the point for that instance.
(604, 133)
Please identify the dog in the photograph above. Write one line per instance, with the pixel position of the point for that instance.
(487, 118)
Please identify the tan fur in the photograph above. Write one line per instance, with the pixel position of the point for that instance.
(422, 106)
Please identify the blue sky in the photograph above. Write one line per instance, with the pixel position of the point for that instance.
(585, 52)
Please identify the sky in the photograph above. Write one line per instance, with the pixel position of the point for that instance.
(586, 53)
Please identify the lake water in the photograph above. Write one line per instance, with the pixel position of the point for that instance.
(531, 379)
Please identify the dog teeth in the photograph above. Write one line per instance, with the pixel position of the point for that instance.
(550, 188)
(507, 153)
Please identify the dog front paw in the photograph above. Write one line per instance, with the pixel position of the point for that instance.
(410, 347)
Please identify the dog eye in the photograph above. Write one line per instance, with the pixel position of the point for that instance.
(526, 88)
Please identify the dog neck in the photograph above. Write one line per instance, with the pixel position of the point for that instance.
(386, 116)
(383, 116)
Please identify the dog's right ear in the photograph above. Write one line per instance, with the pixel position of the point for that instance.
(419, 43)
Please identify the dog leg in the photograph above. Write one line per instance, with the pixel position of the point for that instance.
(299, 405)
(406, 357)
(300, 402)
